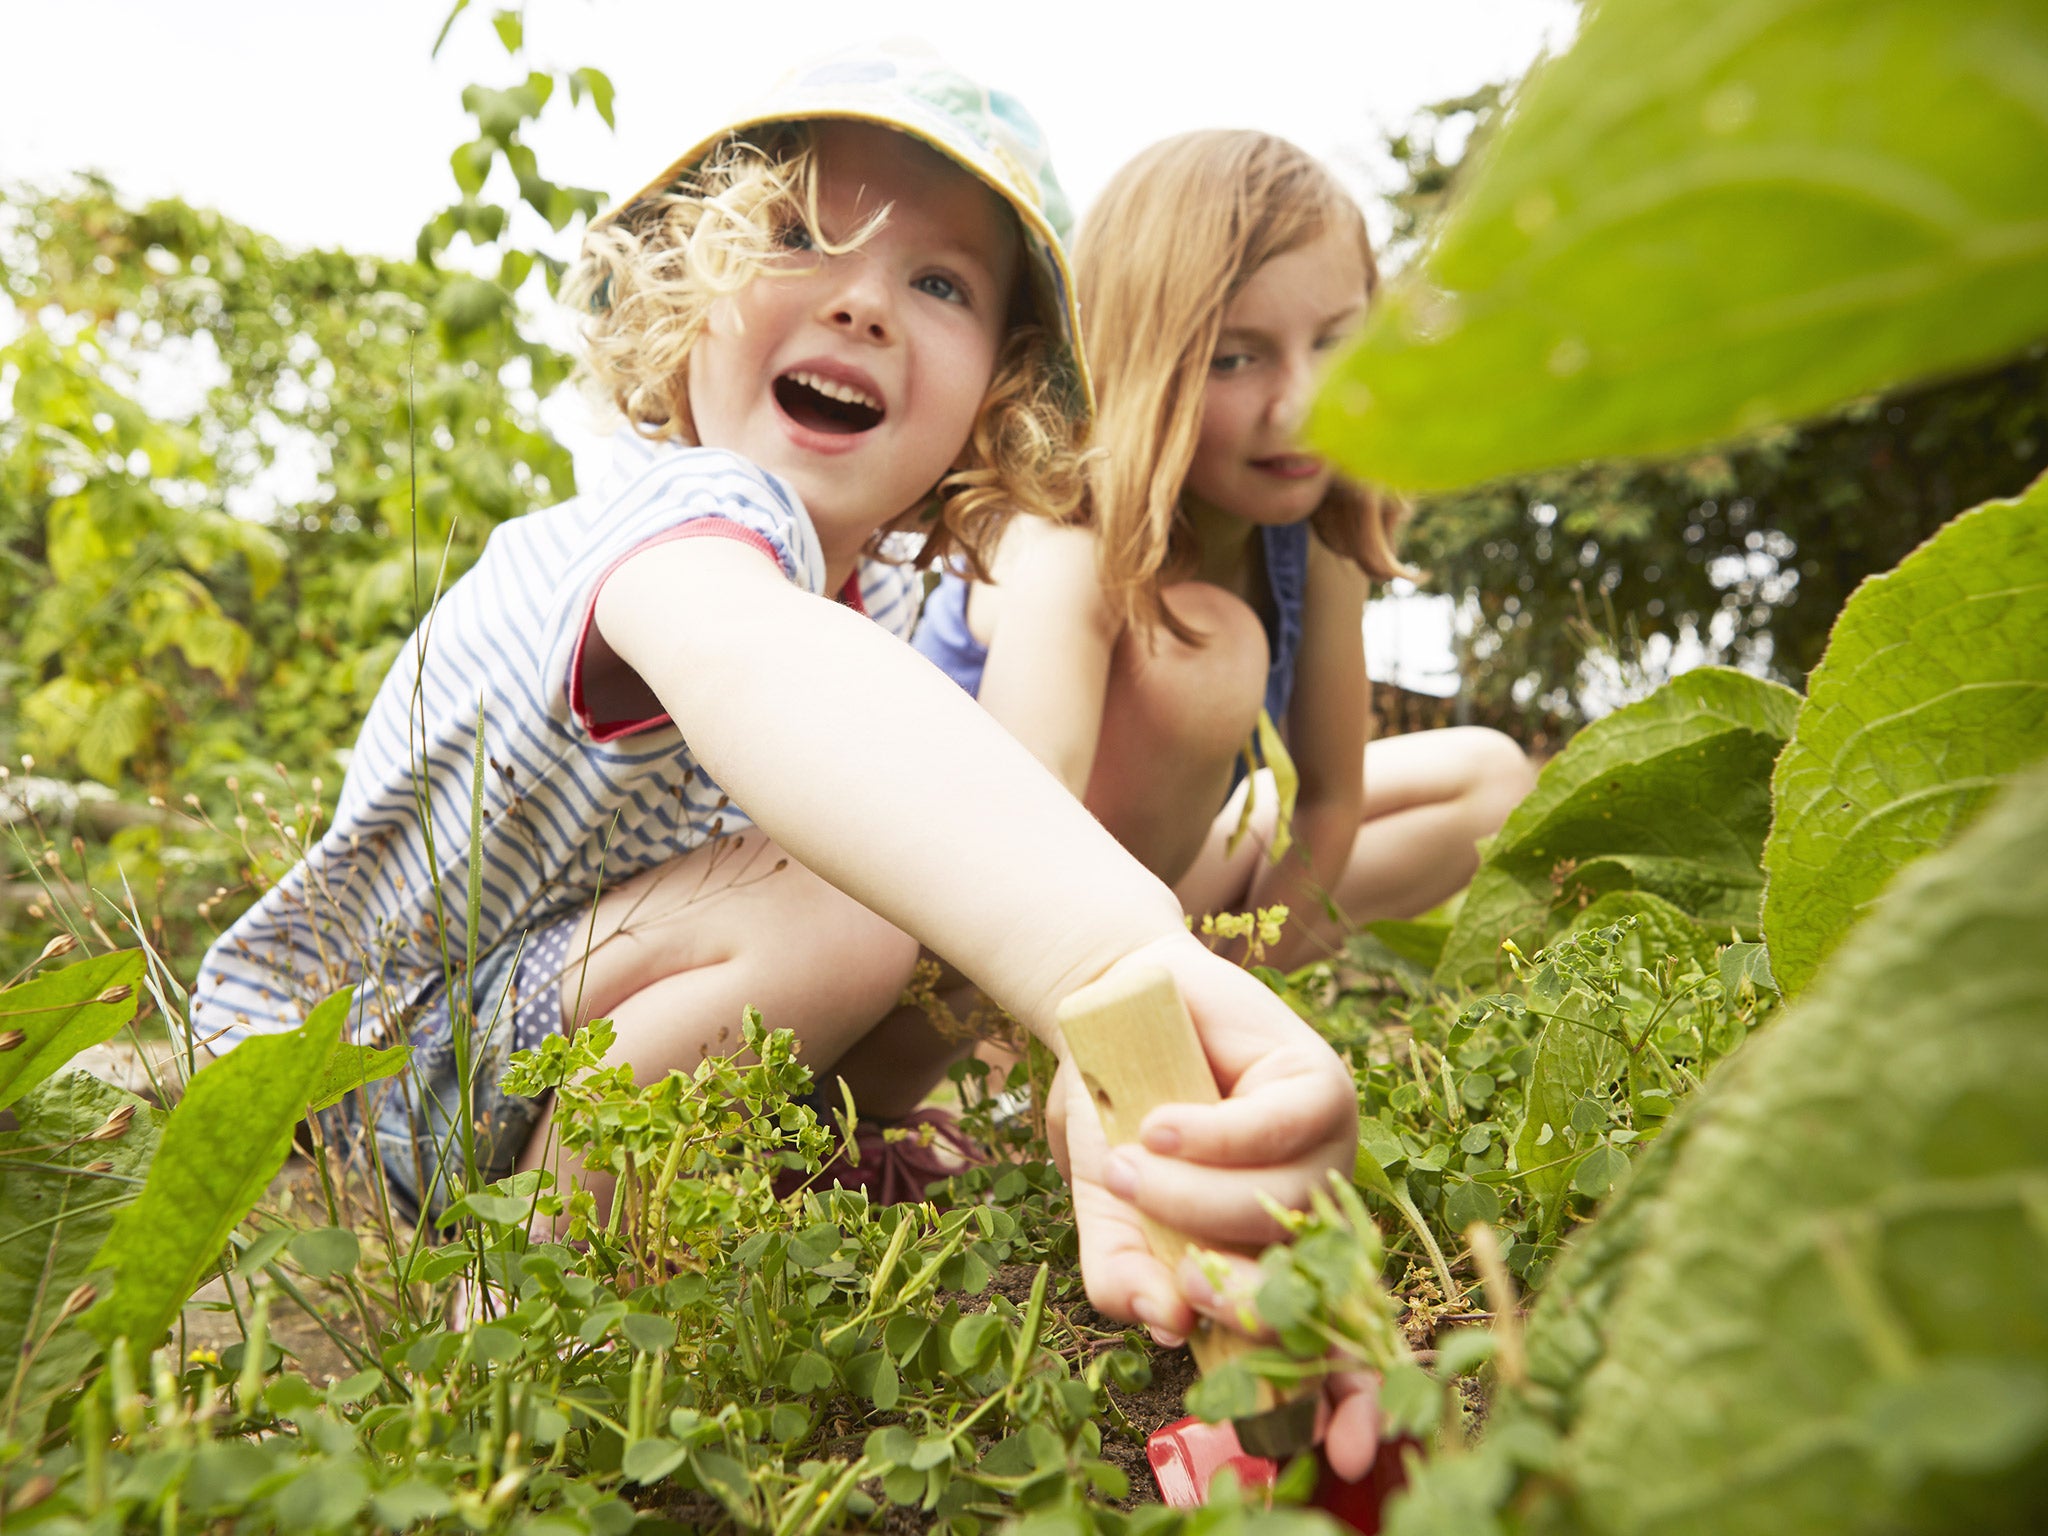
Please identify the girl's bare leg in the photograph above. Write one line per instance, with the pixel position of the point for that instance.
(676, 954)
(893, 1067)
(1429, 797)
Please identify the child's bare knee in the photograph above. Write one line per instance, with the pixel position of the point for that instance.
(874, 962)
(1499, 774)
(1207, 691)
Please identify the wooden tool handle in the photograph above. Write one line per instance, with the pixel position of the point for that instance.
(1130, 1036)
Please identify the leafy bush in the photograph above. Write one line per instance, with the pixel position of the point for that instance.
(1820, 1311)
(1813, 1306)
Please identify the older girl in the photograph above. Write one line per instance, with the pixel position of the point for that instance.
(1224, 570)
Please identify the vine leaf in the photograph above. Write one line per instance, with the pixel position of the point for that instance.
(1668, 796)
(1933, 691)
(1698, 221)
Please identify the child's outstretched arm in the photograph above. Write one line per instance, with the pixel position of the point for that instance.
(867, 764)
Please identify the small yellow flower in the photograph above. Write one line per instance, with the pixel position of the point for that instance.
(203, 1357)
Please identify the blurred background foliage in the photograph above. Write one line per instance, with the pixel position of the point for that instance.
(232, 477)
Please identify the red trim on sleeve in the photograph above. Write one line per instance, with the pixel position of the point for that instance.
(850, 593)
(579, 702)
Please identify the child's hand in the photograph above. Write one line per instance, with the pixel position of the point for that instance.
(1351, 1431)
(1289, 1115)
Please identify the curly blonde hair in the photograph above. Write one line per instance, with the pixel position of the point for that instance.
(649, 278)
(1174, 236)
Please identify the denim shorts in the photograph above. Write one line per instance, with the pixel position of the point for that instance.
(412, 1117)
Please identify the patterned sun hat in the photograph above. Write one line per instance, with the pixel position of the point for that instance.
(905, 86)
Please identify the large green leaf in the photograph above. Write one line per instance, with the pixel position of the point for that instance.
(54, 1215)
(1669, 795)
(1707, 217)
(1933, 691)
(1833, 1315)
(223, 1145)
(61, 1013)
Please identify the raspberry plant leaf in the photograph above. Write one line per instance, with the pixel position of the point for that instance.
(1704, 219)
(1669, 795)
(1933, 691)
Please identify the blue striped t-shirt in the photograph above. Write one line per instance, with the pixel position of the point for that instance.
(568, 797)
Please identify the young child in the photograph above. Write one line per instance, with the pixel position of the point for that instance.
(846, 314)
(1222, 570)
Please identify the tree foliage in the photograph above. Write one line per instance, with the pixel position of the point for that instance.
(231, 478)
(1612, 572)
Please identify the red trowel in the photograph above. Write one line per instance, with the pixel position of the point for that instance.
(1136, 1048)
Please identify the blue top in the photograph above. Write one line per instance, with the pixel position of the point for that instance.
(943, 635)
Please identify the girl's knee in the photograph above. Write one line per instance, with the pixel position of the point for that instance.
(1498, 774)
(1209, 688)
(871, 963)
(1501, 763)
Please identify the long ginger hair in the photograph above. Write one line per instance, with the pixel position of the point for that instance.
(1175, 235)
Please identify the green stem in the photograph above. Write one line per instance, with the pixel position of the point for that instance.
(1406, 1206)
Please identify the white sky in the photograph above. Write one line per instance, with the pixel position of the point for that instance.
(327, 123)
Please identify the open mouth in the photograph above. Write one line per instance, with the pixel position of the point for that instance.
(826, 405)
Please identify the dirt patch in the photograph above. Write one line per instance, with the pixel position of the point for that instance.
(1153, 1408)
(1013, 1283)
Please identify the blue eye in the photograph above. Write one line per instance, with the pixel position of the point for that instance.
(939, 286)
(795, 236)
(1230, 362)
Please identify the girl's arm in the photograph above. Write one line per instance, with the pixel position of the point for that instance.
(868, 765)
(1328, 724)
(1048, 662)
